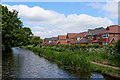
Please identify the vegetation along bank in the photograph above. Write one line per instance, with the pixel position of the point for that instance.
(78, 57)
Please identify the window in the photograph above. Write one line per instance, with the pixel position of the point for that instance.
(91, 37)
(95, 43)
(105, 35)
(98, 37)
(104, 43)
(49, 41)
(58, 40)
(68, 39)
(77, 38)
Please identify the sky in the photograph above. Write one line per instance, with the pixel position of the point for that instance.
(49, 19)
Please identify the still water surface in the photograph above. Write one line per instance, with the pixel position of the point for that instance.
(21, 63)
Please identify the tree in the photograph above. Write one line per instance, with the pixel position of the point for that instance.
(117, 47)
(36, 40)
(13, 34)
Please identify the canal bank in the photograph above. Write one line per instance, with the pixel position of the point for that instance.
(56, 56)
(25, 64)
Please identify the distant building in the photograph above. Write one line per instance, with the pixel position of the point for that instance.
(61, 39)
(109, 35)
(71, 38)
(97, 36)
(81, 38)
(54, 40)
(48, 41)
(92, 35)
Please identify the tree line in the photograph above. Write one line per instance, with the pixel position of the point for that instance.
(13, 32)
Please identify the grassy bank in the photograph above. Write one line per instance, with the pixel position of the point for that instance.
(77, 57)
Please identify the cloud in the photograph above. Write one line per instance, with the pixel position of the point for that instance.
(57, 23)
(110, 8)
(37, 28)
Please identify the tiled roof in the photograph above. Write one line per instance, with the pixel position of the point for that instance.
(111, 29)
(54, 38)
(82, 34)
(72, 35)
(61, 37)
(95, 31)
(95, 40)
(82, 41)
(48, 39)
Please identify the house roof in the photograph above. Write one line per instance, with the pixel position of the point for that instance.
(72, 35)
(95, 31)
(82, 41)
(61, 37)
(54, 38)
(48, 39)
(82, 34)
(95, 40)
(111, 29)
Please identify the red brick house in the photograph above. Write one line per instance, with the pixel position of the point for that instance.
(48, 41)
(92, 35)
(109, 35)
(71, 38)
(54, 40)
(103, 36)
(81, 38)
(61, 39)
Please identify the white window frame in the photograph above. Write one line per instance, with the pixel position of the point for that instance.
(58, 40)
(105, 35)
(98, 37)
(68, 39)
(78, 38)
(104, 43)
(50, 41)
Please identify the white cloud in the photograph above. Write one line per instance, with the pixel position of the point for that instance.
(110, 8)
(37, 28)
(57, 23)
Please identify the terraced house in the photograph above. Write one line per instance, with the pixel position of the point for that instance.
(54, 40)
(81, 38)
(71, 38)
(109, 35)
(97, 36)
(61, 39)
(92, 35)
(47, 40)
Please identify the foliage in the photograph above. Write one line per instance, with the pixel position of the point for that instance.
(79, 57)
(36, 41)
(13, 34)
(117, 47)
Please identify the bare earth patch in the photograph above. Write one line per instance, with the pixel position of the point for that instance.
(118, 68)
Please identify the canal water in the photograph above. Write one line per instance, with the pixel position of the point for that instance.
(21, 63)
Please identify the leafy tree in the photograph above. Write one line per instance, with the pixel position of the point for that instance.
(36, 40)
(117, 47)
(13, 34)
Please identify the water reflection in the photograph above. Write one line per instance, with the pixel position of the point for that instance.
(22, 63)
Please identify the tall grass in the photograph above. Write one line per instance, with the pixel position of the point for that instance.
(79, 57)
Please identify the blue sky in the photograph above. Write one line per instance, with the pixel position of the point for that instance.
(75, 10)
